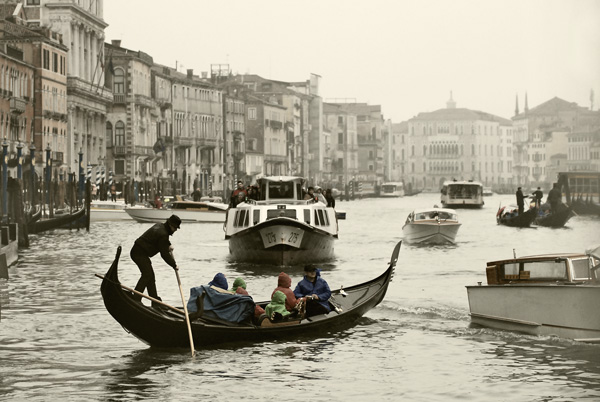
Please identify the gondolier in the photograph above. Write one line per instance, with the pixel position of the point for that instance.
(153, 241)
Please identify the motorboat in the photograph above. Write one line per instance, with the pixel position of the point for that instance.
(392, 189)
(165, 327)
(550, 294)
(432, 226)
(462, 194)
(281, 227)
(206, 210)
(508, 215)
(108, 211)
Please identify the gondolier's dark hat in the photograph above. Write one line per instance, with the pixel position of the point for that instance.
(175, 221)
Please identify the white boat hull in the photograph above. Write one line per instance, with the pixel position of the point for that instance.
(187, 216)
(431, 232)
(567, 311)
(282, 242)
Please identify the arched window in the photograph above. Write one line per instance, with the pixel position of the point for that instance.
(119, 81)
(109, 134)
(119, 134)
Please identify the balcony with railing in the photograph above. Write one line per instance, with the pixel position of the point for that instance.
(57, 158)
(120, 150)
(119, 98)
(17, 105)
(207, 142)
(183, 141)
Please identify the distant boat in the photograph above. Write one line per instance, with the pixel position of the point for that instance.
(551, 294)
(487, 191)
(508, 215)
(462, 194)
(431, 226)
(188, 211)
(108, 211)
(554, 219)
(392, 189)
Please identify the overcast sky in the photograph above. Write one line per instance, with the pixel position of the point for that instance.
(403, 55)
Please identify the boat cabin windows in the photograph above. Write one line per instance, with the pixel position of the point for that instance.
(256, 217)
(581, 269)
(241, 218)
(463, 190)
(307, 216)
(281, 212)
(280, 191)
(321, 218)
(536, 270)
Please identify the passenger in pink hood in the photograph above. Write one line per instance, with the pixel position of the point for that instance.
(284, 285)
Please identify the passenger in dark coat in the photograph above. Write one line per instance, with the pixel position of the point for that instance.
(520, 200)
(154, 240)
(554, 197)
(329, 198)
(316, 291)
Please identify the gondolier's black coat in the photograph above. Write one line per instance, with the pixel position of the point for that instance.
(153, 241)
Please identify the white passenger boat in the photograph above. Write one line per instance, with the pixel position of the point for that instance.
(431, 226)
(108, 211)
(207, 210)
(281, 228)
(552, 294)
(392, 189)
(462, 194)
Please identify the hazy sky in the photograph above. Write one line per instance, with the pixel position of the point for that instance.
(403, 55)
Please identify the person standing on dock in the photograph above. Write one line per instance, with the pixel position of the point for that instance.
(153, 241)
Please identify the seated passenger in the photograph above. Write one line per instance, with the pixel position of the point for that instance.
(276, 309)
(237, 283)
(215, 301)
(239, 287)
(314, 290)
(219, 283)
(284, 285)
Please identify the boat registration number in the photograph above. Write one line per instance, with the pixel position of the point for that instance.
(277, 235)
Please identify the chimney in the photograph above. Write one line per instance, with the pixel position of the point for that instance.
(190, 72)
(116, 42)
(204, 74)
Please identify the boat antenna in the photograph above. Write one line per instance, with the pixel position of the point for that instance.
(514, 254)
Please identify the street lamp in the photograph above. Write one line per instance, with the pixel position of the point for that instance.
(4, 180)
(19, 160)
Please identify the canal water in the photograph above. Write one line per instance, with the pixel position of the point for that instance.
(57, 341)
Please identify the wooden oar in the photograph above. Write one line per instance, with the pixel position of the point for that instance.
(187, 317)
(143, 295)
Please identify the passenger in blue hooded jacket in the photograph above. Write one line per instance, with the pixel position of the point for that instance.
(315, 290)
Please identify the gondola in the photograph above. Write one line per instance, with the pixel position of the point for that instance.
(508, 216)
(556, 219)
(65, 221)
(166, 327)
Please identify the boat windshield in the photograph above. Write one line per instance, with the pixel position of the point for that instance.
(550, 269)
(581, 268)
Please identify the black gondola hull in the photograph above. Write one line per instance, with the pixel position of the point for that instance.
(167, 329)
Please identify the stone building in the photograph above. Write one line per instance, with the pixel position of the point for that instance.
(17, 91)
(554, 136)
(190, 125)
(396, 152)
(458, 143)
(343, 150)
(81, 24)
(369, 124)
(130, 129)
